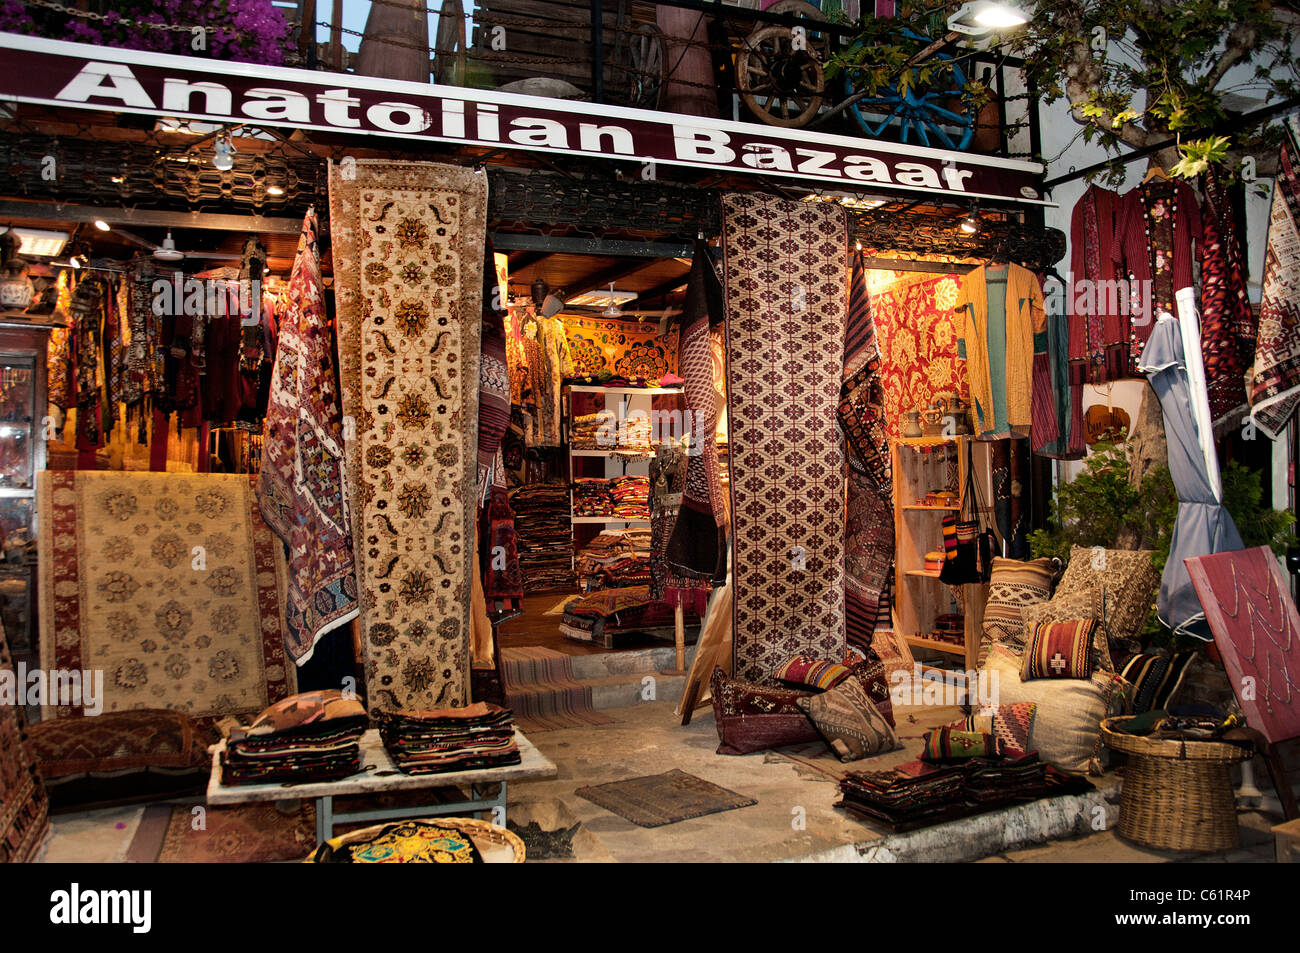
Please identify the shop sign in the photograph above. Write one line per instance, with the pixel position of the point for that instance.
(57, 73)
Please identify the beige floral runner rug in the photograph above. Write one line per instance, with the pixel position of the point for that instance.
(408, 258)
(168, 584)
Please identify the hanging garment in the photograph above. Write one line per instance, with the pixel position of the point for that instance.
(1155, 226)
(991, 356)
(697, 543)
(1067, 396)
(1274, 382)
(1203, 525)
(861, 410)
(1098, 339)
(787, 306)
(300, 486)
(494, 377)
(1227, 321)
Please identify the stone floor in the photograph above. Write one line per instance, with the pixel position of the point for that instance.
(794, 819)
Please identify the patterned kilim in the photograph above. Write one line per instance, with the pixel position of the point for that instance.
(1059, 650)
(916, 329)
(124, 591)
(659, 799)
(1227, 321)
(300, 486)
(868, 554)
(24, 808)
(786, 310)
(408, 259)
(628, 349)
(1273, 385)
(861, 409)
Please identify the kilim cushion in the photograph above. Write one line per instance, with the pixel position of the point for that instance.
(1064, 606)
(947, 745)
(850, 723)
(802, 670)
(874, 676)
(120, 756)
(1011, 725)
(756, 717)
(1066, 728)
(1155, 679)
(1013, 585)
(1059, 650)
(1125, 579)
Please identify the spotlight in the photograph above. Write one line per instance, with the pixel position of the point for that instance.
(223, 154)
(117, 179)
(971, 223)
(274, 190)
(167, 250)
(981, 16)
(101, 225)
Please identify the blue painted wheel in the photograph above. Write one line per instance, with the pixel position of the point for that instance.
(932, 114)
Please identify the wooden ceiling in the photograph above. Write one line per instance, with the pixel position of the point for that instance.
(659, 281)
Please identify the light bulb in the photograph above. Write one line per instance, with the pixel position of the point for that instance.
(101, 225)
(223, 154)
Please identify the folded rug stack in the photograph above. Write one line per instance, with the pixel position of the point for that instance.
(947, 793)
(450, 739)
(543, 535)
(314, 736)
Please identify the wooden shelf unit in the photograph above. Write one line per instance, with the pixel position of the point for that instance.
(919, 596)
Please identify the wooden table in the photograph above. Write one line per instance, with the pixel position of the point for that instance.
(379, 774)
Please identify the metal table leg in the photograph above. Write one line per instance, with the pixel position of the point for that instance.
(324, 819)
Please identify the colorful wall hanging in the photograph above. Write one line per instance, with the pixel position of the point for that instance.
(623, 348)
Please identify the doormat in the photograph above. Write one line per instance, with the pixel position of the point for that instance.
(544, 694)
(659, 799)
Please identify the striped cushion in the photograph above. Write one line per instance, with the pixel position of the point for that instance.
(812, 673)
(1011, 725)
(1059, 650)
(1013, 585)
(1155, 679)
(950, 744)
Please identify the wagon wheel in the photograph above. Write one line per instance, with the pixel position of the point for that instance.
(780, 85)
(932, 113)
(647, 67)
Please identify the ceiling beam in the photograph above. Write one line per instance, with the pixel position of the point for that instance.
(520, 260)
(662, 288)
(608, 248)
(614, 273)
(85, 214)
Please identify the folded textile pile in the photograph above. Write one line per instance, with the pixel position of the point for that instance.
(481, 735)
(543, 535)
(613, 561)
(902, 801)
(314, 736)
(630, 496)
(608, 611)
(592, 497)
(596, 431)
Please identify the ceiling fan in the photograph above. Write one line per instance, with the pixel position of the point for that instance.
(168, 251)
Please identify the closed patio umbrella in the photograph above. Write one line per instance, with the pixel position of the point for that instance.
(1203, 526)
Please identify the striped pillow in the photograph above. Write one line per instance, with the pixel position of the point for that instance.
(812, 673)
(1013, 585)
(1155, 679)
(1059, 650)
(944, 745)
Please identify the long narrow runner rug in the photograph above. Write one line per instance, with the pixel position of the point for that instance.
(1273, 384)
(408, 259)
(169, 584)
(787, 301)
(543, 693)
(300, 484)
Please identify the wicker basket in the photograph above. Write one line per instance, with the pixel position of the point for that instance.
(1177, 795)
(496, 844)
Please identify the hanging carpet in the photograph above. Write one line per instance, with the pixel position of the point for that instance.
(126, 590)
(300, 485)
(24, 807)
(408, 244)
(787, 302)
(1273, 385)
(868, 554)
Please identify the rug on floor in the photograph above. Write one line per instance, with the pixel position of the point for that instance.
(544, 694)
(659, 799)
(253, 833)
(558, 608)
(552, 833)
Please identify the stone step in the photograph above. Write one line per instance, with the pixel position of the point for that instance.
(635, 661)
